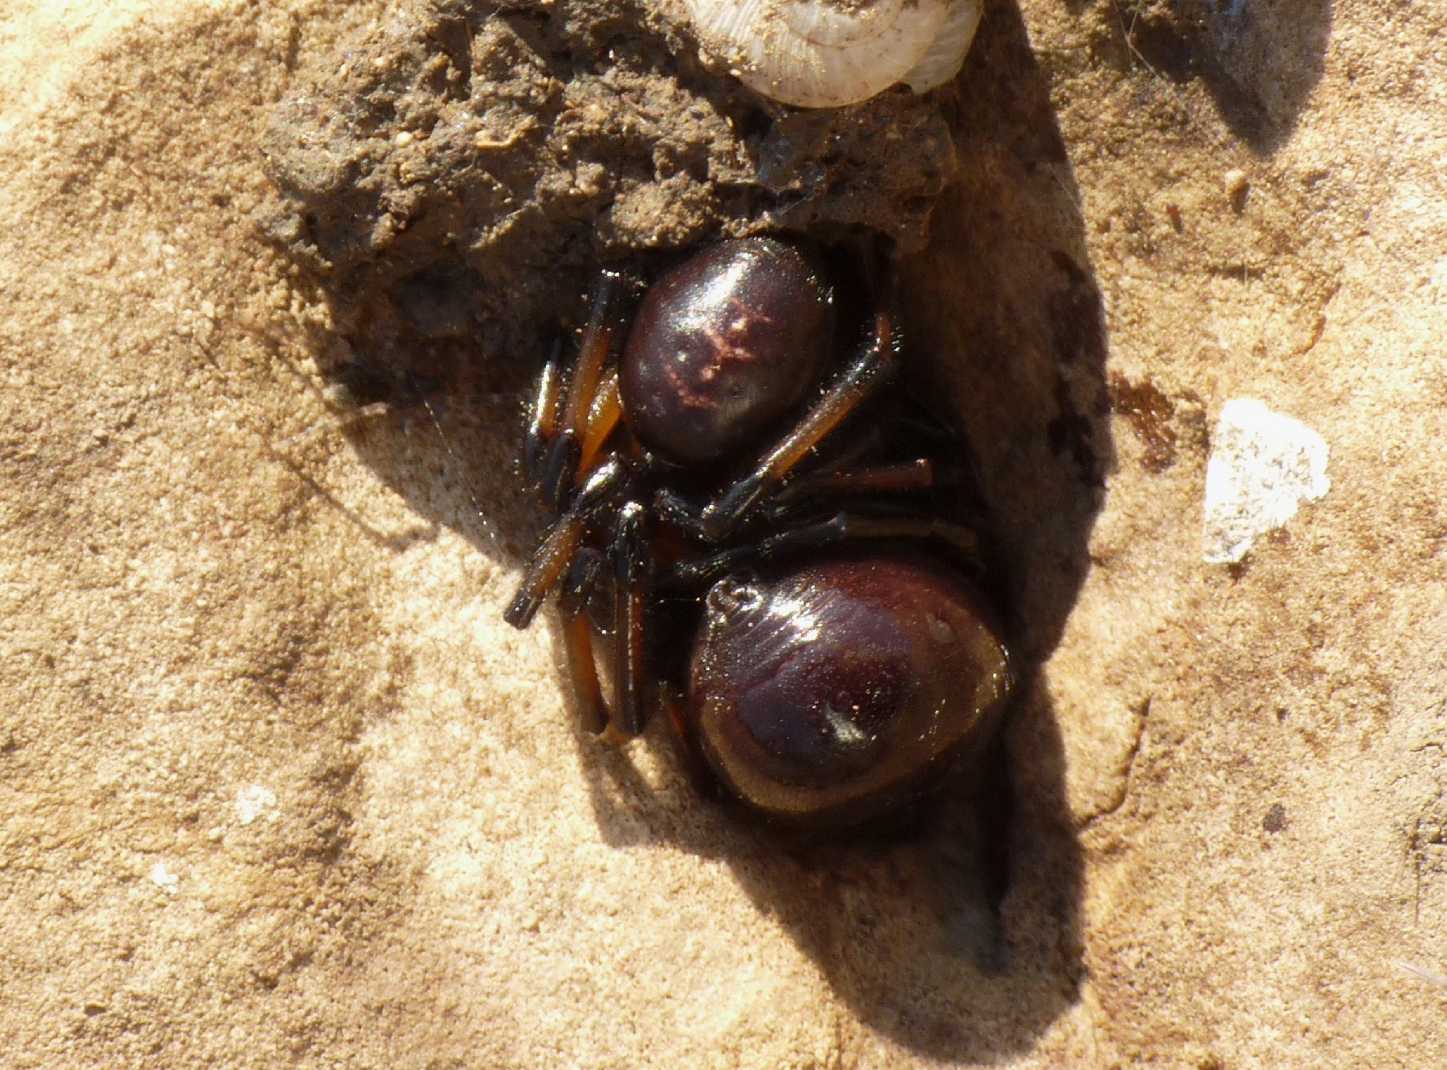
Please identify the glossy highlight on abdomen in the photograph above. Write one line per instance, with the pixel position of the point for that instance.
(723, 346)
(827, 694)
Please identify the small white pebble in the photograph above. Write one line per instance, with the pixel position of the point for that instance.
(1263, 465)
(253, 801)
(404, 138)
(162, 877)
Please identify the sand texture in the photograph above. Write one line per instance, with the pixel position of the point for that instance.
(279, 788)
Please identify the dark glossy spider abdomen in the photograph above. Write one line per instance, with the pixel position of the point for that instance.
(829, 694)
(722, 347)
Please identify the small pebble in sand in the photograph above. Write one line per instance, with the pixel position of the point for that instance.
(1263, 465)
(1237, 187)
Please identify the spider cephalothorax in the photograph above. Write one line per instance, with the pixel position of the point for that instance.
(842, 657)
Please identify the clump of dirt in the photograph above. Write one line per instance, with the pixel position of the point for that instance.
(460, 170)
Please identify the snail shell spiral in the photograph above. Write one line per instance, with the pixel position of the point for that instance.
(828, 53)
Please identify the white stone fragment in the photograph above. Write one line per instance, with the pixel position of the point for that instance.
(1263, 464)
(162, 877)
(253, 801)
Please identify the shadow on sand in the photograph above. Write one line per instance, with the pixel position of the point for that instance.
(1259, 59)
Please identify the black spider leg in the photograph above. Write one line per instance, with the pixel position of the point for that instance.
(632, 575)
(561, 419)
(876, 479)
(888, 500)
(580, 584)
(577, 637)
(631, 558)
(850, 467)
(559, 426)
(553, 557)
(860, 381)
(569, 425)
(543, 416)
(846, 526)
(921, 475)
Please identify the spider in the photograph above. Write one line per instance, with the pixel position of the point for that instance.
(842, 657)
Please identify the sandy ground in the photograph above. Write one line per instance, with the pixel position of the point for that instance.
(279, 788)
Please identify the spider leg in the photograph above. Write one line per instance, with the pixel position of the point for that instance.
(603, 416)
(908, 477)
(678, 511)
(918, 476)
(861, 380)
(583, 670)
(560, 467)
(580, 583)
(543, 416)
(631, 558)
(843, 527)
(850, 527)
(553, 557)
(632, 568)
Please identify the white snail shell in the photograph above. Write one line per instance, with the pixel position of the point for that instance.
(827, 53)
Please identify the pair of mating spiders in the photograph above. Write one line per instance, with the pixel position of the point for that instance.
(842, 658)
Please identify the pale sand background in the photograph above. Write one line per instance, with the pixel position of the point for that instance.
(278, 789)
